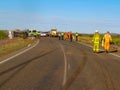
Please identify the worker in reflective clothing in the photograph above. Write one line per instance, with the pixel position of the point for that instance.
(76, 35)
(62, 35)
(96, 42)
(59, 35)
(107, 40)
(71, 36)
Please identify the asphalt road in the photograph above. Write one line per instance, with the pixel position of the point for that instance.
(60, 65)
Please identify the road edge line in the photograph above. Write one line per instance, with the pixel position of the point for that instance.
(3, 61)
(100, 49)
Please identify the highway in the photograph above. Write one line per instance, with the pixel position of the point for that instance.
(54, 64)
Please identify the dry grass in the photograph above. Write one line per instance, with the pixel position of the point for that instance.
(14, 45)
(85, 39)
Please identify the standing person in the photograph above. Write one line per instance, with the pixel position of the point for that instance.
(62, 34)
(65, 36)
(59, 35)
(107, 40)
(68, 35)
(96, 42)
(76, 35)
(71, 36)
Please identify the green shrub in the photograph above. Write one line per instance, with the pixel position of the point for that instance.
(3, 34)
(116, 39)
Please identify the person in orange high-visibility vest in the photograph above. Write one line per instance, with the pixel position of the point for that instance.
(107, 40)
(71, 37)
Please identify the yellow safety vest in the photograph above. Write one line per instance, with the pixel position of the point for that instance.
(107, 38)
(76, 34)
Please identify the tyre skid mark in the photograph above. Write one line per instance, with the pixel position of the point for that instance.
(106, 73)
(78, 71)
(22, 66)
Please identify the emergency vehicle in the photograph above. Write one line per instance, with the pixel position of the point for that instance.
(53, 33)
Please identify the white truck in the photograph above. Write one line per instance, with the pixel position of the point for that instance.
(53, 33)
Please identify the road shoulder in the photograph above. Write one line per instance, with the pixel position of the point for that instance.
(111, 53)
(18, 52)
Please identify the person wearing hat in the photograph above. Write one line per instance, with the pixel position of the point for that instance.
(96, 41)
(107, 40)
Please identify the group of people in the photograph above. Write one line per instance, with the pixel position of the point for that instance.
(97, 40)
(67, 35)
(106, 40)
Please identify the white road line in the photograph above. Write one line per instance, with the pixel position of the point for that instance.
(85, 44)
(100, 49)
(114, 55)
(18, 53)
(65, 69)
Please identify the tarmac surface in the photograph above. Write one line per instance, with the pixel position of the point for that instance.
(54, 64)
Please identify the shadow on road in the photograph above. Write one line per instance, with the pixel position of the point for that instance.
(20, 66)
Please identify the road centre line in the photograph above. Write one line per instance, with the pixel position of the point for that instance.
(65, 69)
(19, 53)
(100, 49)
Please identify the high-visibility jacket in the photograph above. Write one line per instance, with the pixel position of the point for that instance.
(62, 34)
(96, 38)
(107, 38)
(59, 34)
(76, 34)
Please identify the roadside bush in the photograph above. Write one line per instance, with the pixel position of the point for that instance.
(116, 39)
(3, 34)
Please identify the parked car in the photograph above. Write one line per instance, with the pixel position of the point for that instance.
(43, 34)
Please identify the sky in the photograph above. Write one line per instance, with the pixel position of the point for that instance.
(83, 16)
